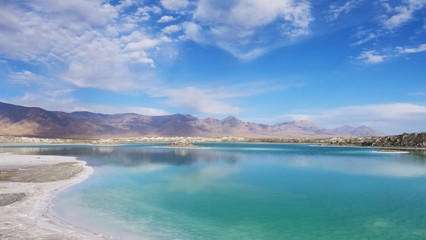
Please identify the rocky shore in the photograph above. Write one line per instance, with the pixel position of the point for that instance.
(406, 140)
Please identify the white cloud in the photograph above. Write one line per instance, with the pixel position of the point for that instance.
(364, 36)
(39, 85)
(124, 4)
(390, 19)
(46, 101)
(94, 13)
(146, 111)
(117, 110)
(403, 14)
(106, 63)
(97, 45)
(216, 100)
(138, 41)
(392, 118)
(171, 29)
(27, 35)
(242, 27)
(192, 31)
(386, 6)
(371, 57)
(294, 117)
(67, 103)
(420, 48)
(165, 19)
(200, 100)
(87, 40)
(92, 41)
(174, 4)
(335, 11)
(26, 77)
(98, 64)
(247, 55)
(149, 9)
(393, 111)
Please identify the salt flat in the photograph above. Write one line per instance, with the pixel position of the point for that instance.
(27, 185)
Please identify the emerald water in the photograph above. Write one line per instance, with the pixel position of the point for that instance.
(246, 191)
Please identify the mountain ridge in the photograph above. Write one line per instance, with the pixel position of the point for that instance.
(347, 130)
(18, 120)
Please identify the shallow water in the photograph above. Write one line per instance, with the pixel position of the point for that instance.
(246, 191)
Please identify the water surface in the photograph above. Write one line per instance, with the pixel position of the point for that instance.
(246, 191)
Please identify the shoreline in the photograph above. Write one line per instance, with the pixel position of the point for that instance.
(316, 144)
(31, 216)
(415, 141)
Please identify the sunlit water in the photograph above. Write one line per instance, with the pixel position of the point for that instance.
(246, 191)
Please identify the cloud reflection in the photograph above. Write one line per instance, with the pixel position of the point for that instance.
(200, 178)
(361, 166)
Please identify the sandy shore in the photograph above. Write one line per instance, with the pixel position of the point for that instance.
(27, 185)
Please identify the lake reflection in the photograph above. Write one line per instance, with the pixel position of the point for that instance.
(339, 159)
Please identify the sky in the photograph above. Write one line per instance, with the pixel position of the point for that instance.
(333, 62)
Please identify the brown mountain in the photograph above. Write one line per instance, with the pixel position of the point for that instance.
(30, 121)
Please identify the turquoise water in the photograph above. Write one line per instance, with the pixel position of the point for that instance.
(246, 191)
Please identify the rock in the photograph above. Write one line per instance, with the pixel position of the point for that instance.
(406, 140)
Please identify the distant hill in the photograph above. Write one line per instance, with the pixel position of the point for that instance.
(361, 131)
(302, 127)
(31, 121)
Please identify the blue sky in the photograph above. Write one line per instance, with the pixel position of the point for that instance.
(334, 62)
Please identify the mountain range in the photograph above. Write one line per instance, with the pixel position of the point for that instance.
(32, 121)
